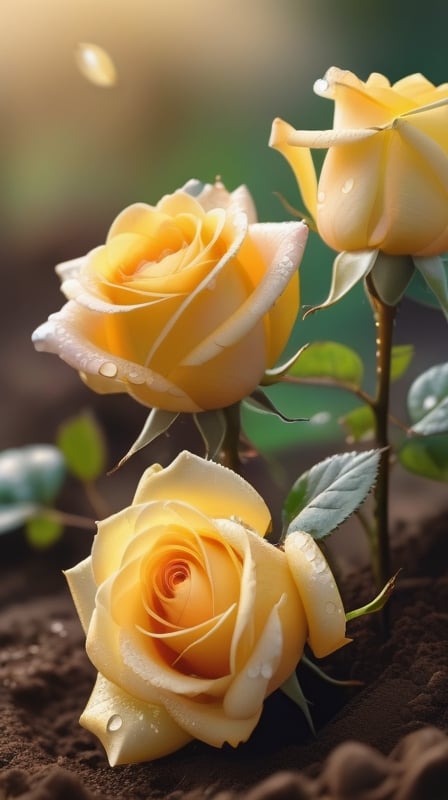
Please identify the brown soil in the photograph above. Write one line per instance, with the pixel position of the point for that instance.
(384, 741)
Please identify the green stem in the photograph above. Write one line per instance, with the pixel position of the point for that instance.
(384, 321)
(230, 456)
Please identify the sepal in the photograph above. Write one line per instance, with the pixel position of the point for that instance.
(348, 269)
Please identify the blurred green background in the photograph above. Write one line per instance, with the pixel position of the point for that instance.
(199, 83)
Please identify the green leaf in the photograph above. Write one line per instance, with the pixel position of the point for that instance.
(82, 443)
(428, 401)
(329, 360)
(157, 422)
(14, 516)
(348, 269)
(436, 421)
(323, 497)
(32, 474)
(402, 355)
(426, 456)
(433, 271)
(359, 424)
(212, 427)
(42, 532)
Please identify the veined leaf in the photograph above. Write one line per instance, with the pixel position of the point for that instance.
(329, 360)
(329, 492)
(82, 443)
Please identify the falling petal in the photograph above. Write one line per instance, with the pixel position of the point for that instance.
(95, 64)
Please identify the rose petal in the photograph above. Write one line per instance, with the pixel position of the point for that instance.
(227, 494)
(320, 596)
(82, 585)
(129, 730)
(289, 240)
(209, 722)
(300, 161)
(247, 692)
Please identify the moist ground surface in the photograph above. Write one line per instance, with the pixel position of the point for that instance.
(385, 740)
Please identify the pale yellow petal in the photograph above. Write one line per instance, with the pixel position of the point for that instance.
(208, 722)
(129, 730)
(283, 255)
(227, 493)
(320, 596)
(300, 161)
(83, 588)
(247, 692)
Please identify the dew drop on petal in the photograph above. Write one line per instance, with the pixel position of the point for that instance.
(253, 671)
(330, 608)
(95, 64)
(321, 197)
(108, 369)
(348, 186)
(267, 671)
(114, 723)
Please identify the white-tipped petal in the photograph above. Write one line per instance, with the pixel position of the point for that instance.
(130, 731)
(320, 596)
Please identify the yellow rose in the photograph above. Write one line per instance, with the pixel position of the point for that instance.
(192, 618)
(186, 304)
(384, 180)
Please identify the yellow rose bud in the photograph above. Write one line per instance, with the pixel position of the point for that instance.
(186, 304)
(192, 618)
(384, 180)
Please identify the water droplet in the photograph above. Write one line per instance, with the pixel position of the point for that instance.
(267, 671)
(330, 608)
(321, 197)
(211, 285)
(95, 64)
(254, 671)
(348, 186)
(320, 86)
(114, 723)
(108, 369)
(429, 402)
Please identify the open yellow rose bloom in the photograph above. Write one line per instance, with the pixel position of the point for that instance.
(192, 618)
(185, 306)
(384, 180)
